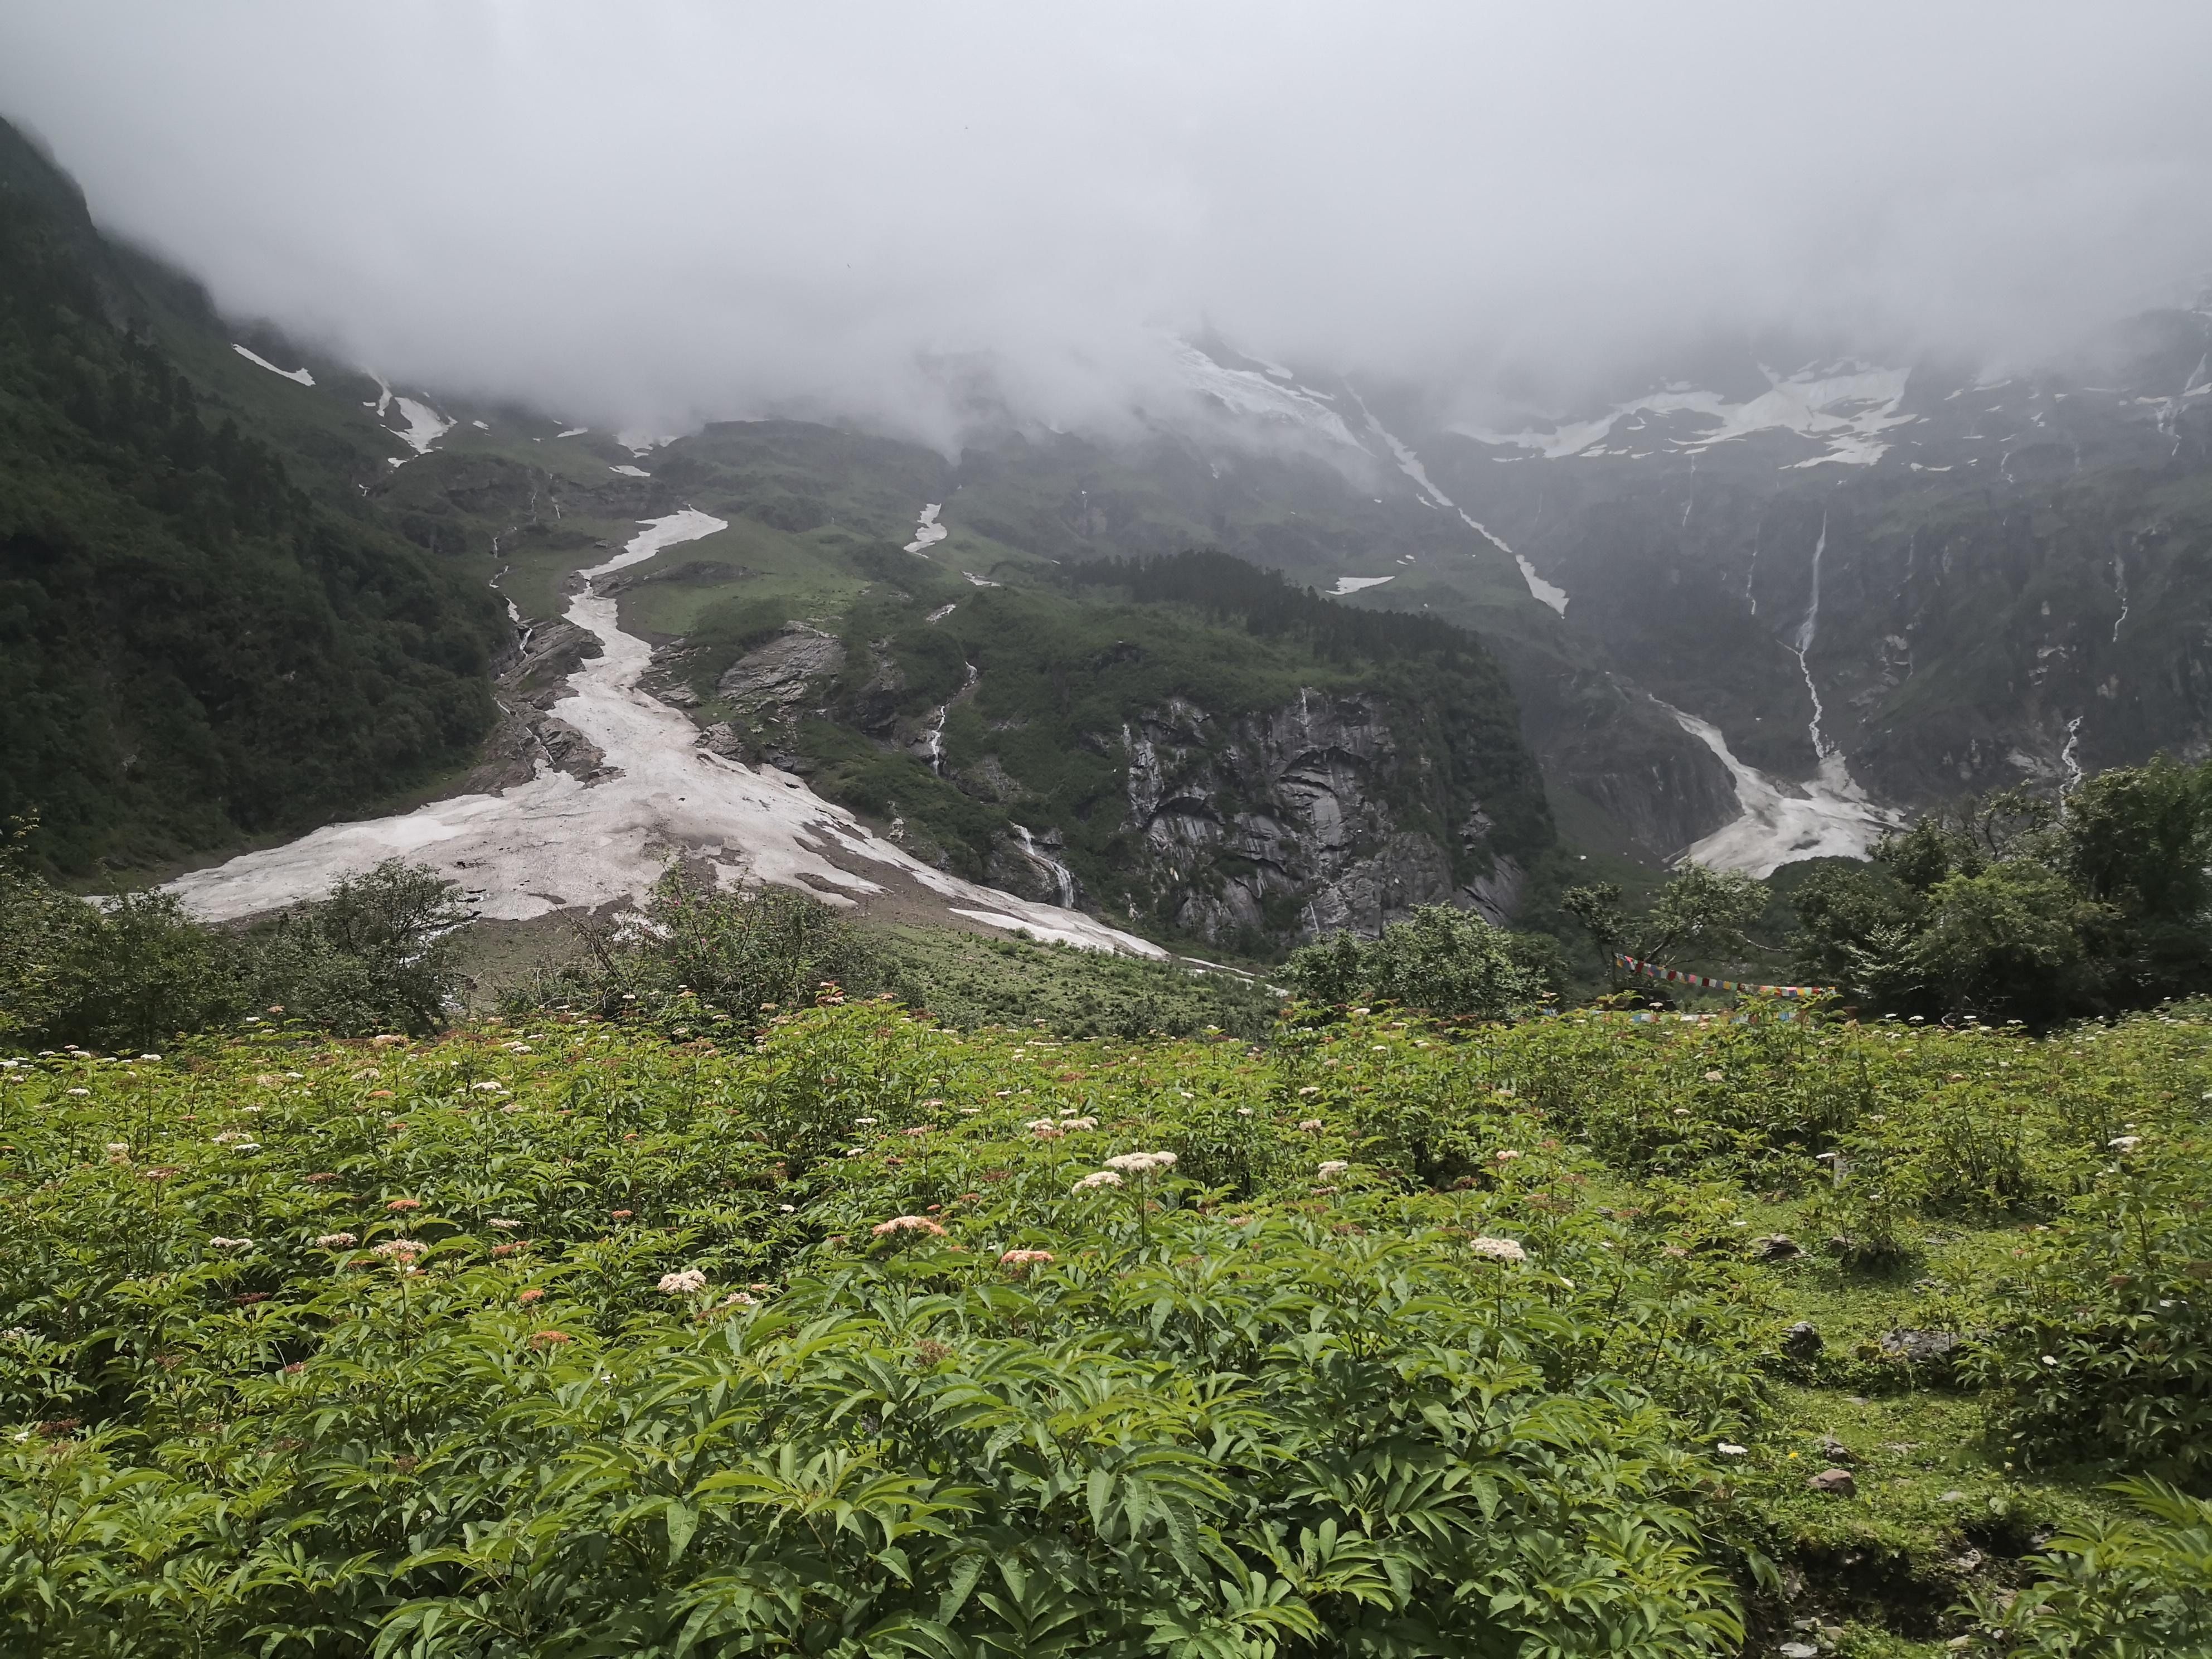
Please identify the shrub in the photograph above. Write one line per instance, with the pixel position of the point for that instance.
(457, 1347)
(376, 955)
(2118, 1585)
(122, 972)
(2102, 1348)
(136, 970)
(735, 953)
(1449, 962)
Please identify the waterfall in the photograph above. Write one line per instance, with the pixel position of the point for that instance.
(1806, 631)
(1063, 878)
(934, 739)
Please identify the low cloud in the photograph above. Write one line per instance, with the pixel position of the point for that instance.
(654, 214)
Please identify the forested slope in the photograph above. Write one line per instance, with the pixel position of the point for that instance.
(193, 648)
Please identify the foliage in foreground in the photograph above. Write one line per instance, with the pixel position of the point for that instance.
(2137, 1585)
(544, 1337)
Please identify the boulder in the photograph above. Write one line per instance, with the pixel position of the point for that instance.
(1919, 1347)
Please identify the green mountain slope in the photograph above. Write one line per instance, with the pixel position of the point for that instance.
(200, 639)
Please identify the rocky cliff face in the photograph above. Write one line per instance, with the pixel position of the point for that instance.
(1248, 832)
(1280, 823)
(1929, 582)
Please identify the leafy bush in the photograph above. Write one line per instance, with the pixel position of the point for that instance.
(2102, 1347)
(1448, 963)
(1699, 911)
(2122, 1585)
(376, 955)
(129, 972)
(2016, 908)
(694, 953)
(518, 1342)
(834, 1337)
(968, 979)
(135, 970)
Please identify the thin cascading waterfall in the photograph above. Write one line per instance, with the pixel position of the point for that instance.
(2120, 588)
(1806, 632)
(1063, 878)
(2069, 756)
(934, 741)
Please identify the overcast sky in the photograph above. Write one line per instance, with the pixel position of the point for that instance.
(656, 212)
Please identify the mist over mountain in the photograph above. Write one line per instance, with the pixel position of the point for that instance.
(892, 215)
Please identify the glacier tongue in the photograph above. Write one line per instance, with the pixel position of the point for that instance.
(556, 844)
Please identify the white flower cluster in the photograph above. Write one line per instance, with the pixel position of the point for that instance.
(1497, 1249)
(1141, 1163)
(686, 1282)
(1096, 1180)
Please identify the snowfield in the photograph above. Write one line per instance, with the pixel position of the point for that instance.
(1258, 398)
(927, 533)
(298, 376)
(1828, 817)
(1845, 406)
(555, 843)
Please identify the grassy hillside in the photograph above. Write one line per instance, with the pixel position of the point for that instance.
(856, 1340)
(194, 648)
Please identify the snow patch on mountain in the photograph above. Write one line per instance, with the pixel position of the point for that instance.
(1257, 396)
(927, 533)
(1353, 584)
(1846, 407)
(297, 376)
(1831, 817)
(425, 426)
(555, 843)
(1542, 591)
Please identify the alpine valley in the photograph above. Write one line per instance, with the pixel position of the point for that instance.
(1281, 654)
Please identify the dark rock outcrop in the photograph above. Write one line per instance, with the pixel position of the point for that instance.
(1283, 823)
(768, 683)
